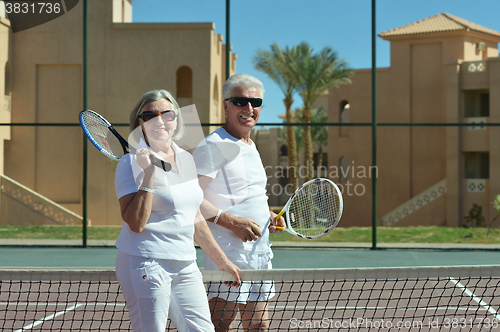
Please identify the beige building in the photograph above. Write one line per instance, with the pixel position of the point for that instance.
(41, 72)
(444, 69)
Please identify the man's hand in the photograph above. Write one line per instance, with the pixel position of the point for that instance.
(244, 228)
(280, 222)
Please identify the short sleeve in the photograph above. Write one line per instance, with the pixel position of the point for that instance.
(204, 160)
(211, 156)
(125, 182)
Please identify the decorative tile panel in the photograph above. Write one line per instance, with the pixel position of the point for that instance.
(476, 66)
(476, 185)
(476, 123)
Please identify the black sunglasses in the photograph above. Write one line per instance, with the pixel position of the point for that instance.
(165, 115)
(242, 101)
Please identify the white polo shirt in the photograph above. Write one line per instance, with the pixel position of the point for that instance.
(238, 186)
(177, 196)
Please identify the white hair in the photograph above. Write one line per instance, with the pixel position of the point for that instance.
(241, 80)
(153, 96)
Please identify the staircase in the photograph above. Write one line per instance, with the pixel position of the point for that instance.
(415, 203)
(43, 207)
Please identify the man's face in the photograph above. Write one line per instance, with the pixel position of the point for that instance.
(242, 117)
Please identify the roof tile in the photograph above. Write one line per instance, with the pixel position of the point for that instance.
(438, 23)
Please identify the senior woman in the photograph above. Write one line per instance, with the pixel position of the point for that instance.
(236, 206)
(156, 263)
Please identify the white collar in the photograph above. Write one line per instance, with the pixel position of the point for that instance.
(143, 145)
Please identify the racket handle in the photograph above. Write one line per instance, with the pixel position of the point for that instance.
(277, 217)
(160, 163)
(165, 166)
(255, 225)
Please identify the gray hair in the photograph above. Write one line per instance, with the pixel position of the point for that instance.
(241, 80)
(153, 96)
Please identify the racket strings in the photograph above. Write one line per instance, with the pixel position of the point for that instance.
(314, 209)
(102, 135)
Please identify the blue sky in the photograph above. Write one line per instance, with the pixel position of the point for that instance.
(344, 25)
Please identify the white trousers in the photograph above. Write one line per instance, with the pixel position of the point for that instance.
(156, 288)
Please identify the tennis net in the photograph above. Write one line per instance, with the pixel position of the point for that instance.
(465, 298)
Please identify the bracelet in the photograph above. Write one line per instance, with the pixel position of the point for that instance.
(218, 215)
(147, 189)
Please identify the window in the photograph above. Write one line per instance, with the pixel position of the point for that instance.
(215, 96)
(8, 88)
(283, 150)
(344, 118)
(184, 82)
(343, 169)
(476, 165)
(476, 103)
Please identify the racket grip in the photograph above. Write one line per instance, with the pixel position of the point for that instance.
(165, 166)
(160, 163)
(277, 217)
(255, 225)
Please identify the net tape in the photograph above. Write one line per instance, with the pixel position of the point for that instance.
(388, 299)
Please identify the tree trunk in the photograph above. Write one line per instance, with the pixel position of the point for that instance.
(291, 146)
(319, 167)
(308, 146)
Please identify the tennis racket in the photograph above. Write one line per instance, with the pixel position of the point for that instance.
(313, 210)
(107, 140)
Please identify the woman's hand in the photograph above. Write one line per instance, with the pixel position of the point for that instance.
(144, 158)
(229, 267)
(203, 236)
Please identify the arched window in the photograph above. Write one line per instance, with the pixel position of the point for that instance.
(184, 82)
(344, 118)
(283, 150)
(215, 100)
(123, 10)
(8, 87)
(215, 95)
(343, 169)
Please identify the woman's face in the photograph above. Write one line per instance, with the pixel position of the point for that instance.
(242, 117)
(158, 121)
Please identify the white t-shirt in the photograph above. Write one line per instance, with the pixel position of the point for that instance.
(238, 186)
(169, 231)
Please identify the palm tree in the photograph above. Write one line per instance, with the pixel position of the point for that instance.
(319, 134)
(297, 130)
(315, 75)
(274, 64)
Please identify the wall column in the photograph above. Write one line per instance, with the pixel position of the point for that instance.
(493, 65)
(453, 143)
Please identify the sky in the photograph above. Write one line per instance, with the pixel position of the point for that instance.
(344, 25)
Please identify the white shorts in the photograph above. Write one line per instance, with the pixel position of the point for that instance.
(252, 291)
(155, 289)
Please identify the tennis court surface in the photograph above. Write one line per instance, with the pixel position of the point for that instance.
(433, 298)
